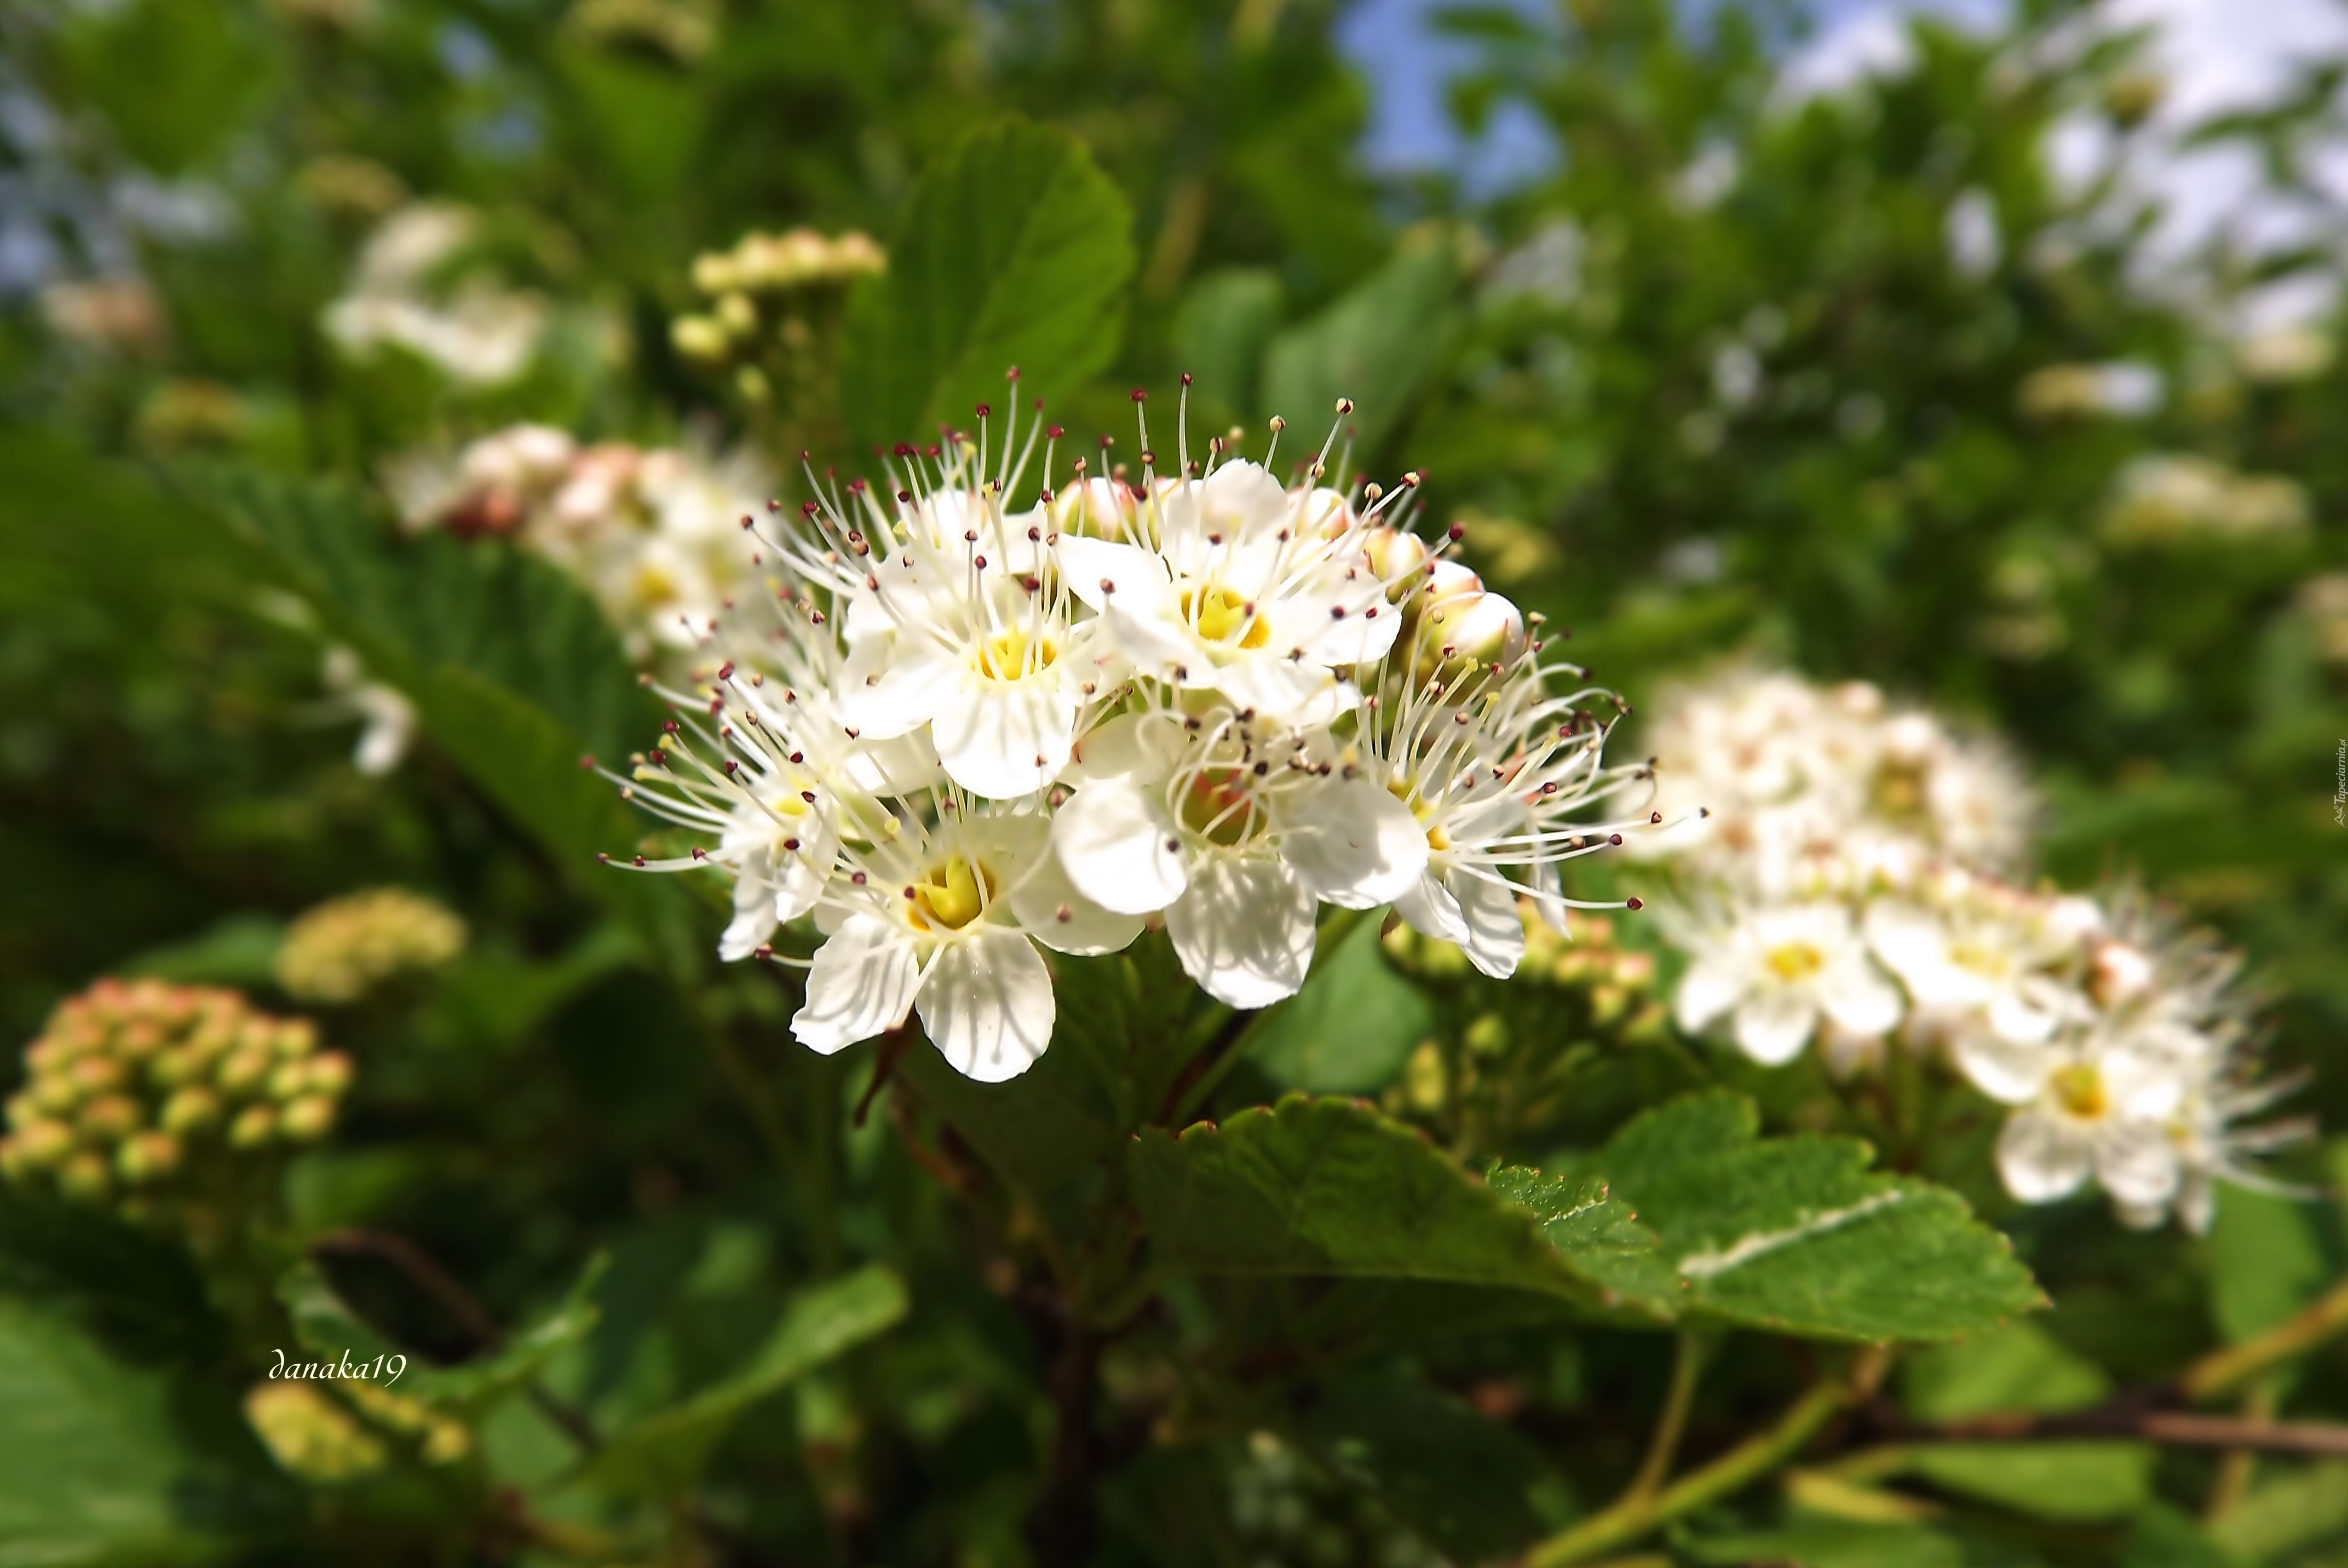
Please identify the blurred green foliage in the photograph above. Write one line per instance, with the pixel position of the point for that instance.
(1825, 381)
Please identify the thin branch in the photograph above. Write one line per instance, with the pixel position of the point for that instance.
(2223, 1371)
(1687, 1366)
(1629, 1518)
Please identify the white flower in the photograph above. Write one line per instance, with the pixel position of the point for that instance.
(1993, 965)
(2100, 1109)
(387, 718)
(1231, 584)
(1234, 828)
(945, 918)
(1497, 784)
(957, 627)
(1776, 972)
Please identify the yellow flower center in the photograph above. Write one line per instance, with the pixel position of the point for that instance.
(1978, 958)
(652, 587)
(1219, 807)
(1900, 791)
(1009, 655)
(1437, 839)
(2079, 1089)
(1220, 615)
(951, 896)
(1791, 961)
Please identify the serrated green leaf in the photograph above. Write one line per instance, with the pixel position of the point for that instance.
(1376, 345)
(1794, 1234)
(87, 1452)
(1016, 250)
(2270, 1257)
(1828, 1543)
(661, 1455)
(1330, 1187)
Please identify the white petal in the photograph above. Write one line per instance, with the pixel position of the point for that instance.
(1052, 911)
(1498, 941)
(1432, 911)
(1118, 846)
(2137, 1163)
(1149, 630)
(1244, 931)
(987, 1005)
(1910, 941)
(888, 688)
(1772, 1026)
(1709, 989)
(1089, 564)
(1281, 688)
(2001, 1069)
(2015, 1019)
(1002, 739)
(754, 918)
(2043, 1157)
(1353, 844)
(1857, 996)
(862, 982)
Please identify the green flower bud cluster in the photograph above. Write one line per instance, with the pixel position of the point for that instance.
(347, 1434)
(345, 947)
(139, 1092)
(772, 306)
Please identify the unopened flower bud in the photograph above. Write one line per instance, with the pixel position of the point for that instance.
(254, 1126)
(42, 1144)
(95, 1074)
(109, 1118)
(698, 337)
(329, 1072)
(243, 1071)
(145, 1157)
(738, 315)
(1399, 559)
(306, 1118)
(85, 1177)
(191, 1110)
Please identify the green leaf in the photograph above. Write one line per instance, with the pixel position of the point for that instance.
(1378, 346)
(137, 1291)
(1014, 250)
(1458, 1479)
(86, 1448)
(512, 669)
(646, 119)
(172, 79)
(2286, 1511)
(2073, 1481)
(1329, 1187)
(1828, 1543)
(238, 950)
(1352, 1027)
(2165, 1538)
(2019, 1367)
(1227, 318)
(2270, 1257)
(331, 1331)
(1793, 1235)
(662, 1455)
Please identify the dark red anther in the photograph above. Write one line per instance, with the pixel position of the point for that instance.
(640, 862)
(726, 670)
(809, 508)
(1613, 838)
(1654, 816)
(587, 760)
(1011, 374)
(983, 411)
(1054, 432)
(1185, 378)
(1139, 395)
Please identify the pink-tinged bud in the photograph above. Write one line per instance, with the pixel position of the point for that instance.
(330, 1072)
(244, 1069)
(42, 1146)
(253, 1126)
(95, 1074)
(146, 1157)
(109, 1118)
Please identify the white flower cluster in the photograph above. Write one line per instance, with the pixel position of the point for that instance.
(1850, 887)
(1208, 699)
(476, 330)
(653, 534)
